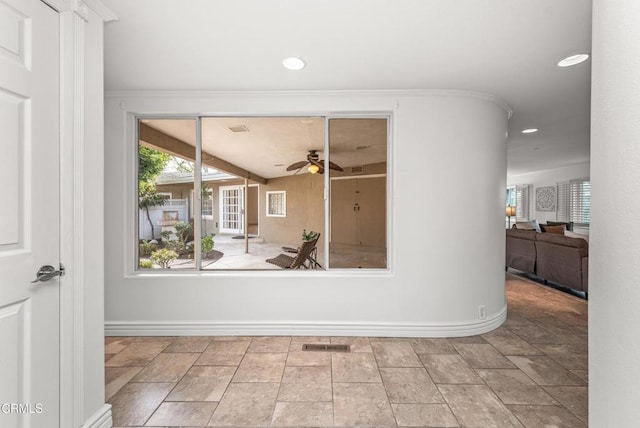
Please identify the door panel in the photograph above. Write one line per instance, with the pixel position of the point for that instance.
(343, 214)
(29, 213)
(371, 212)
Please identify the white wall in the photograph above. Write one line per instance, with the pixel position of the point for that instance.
(445, 263)
(614, 294)
(548, 177)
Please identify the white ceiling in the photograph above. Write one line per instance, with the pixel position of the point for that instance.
(503, 47)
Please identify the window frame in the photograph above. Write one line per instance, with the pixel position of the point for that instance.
(268, 194)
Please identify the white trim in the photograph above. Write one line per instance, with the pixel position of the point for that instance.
(71, 228)
(302, 328)
(268, 203)
(351, 177)
(101, 419)
(317, 93)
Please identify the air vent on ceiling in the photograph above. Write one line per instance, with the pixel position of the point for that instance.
(326, 348)
(357, 170)
(238, 128)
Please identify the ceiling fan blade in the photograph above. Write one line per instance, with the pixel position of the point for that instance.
(335, 166)
(331, 165)
(297, 165)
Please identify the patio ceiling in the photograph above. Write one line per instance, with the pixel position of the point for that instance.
(270, 144)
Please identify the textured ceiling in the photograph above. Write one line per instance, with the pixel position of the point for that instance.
(503, 47)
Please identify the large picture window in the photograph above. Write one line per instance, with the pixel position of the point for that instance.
(262, 193)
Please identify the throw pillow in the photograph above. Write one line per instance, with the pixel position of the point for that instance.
(524, 225)
(536, 225)
(558, 230)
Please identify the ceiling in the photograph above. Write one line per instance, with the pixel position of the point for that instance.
(506, 48)
(270, 144)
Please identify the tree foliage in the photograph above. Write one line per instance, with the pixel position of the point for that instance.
(151, 162)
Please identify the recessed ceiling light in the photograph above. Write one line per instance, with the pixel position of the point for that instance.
(529, 130)
(293, 63)
(278, 164)
(573, 60)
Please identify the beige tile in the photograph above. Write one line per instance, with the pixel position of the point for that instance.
(477, 406)
(229, 346)
(483, 356)
(113, 345)
(307, 358)
(107, 357)
(306, 384)
(570, 356)
(444, 368)
(409, 385)
(167, 368)
(182, 414)
(582, 374)
(544, 371)
(432, 346)
(533, 333)
(395, 354)
(261, 367)
(574, 398)
(246, 404)
(270, 344)
(135, 402)
(361, 404)
(232, 338)
(189, 344)
(546, 416)
(215, 358)
(138, 353)
(307, 374)
(117, 377)
(356, 344)
(305, 391)
(348, 367)
(298, 414)
(467, 339)
(509, 343)
(424, 415)
(515, 387)
(203, 383)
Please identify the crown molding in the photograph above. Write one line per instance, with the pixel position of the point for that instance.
(317, 93)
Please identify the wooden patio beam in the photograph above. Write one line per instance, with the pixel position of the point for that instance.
(177, 147)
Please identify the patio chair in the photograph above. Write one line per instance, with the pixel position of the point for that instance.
(305, 259)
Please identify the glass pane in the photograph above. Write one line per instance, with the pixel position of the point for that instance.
(166, 154)
(248, 159)
(358, 172)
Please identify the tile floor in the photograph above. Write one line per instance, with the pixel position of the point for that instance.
(531, 372)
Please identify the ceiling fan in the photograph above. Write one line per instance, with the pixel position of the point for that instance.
(315, 164)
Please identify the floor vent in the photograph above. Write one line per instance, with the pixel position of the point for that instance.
(326, 348)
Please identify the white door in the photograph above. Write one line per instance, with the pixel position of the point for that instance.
(231, 209)
(29, 214)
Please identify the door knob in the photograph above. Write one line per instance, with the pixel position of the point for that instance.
(46, 272)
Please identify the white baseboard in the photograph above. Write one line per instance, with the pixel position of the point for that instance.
(270, 328)
(100, 419)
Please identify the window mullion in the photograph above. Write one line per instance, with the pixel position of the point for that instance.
(197, 204)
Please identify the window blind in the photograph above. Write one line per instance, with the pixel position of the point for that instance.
(522, 202)
(574, 201)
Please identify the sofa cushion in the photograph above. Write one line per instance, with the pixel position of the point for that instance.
(568, 224)
(521, 250)
(567, 241)
(524, 225)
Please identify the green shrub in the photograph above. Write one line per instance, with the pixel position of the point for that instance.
(145, 264)
(163, 257)
(146, 248)
(309, 236)
(177, 246)
(183, 230)
(206, 245)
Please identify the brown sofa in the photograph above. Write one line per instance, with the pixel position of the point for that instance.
(557, 258)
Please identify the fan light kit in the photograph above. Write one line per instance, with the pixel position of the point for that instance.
(293, 63)
(313, 163)
(573, 60)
